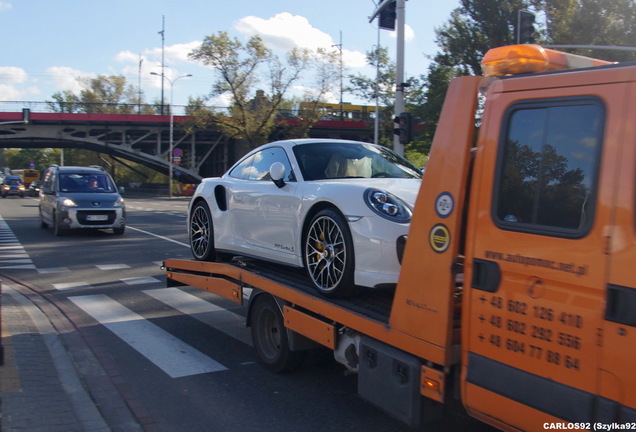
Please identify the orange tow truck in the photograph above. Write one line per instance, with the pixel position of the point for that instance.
(516, 294)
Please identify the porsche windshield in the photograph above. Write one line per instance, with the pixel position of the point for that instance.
(333, 160)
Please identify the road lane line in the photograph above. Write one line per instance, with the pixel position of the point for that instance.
(170, 354)
(158, 236)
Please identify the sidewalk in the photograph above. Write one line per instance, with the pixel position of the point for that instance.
(51, 380)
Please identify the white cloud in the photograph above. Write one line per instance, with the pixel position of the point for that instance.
(4, 6)
(172, 54)
(9, 93)
(66, 78)
(12, 74)
(409, 33)
(285, 31)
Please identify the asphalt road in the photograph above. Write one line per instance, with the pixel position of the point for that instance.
(183, 354)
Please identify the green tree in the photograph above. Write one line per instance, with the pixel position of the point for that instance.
(591, 22)
(242, 69)
(383, 86)
(478, 25)
(21, 158)
(104, 94)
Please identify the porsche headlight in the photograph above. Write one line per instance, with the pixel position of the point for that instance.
(67, 202)
(387, 205)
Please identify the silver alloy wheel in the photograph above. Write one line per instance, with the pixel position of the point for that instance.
(325, 253)
(200, 232)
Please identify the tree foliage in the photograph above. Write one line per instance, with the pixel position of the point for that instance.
(257, 82)
(478, 25)
(104, 94)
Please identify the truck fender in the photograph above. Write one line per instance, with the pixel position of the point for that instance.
(297, 342)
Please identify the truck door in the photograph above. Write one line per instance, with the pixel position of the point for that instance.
(617, 375)
(537, 249)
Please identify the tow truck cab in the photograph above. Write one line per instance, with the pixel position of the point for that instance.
(516, 292)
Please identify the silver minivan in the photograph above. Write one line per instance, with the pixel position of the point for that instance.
(80, 198)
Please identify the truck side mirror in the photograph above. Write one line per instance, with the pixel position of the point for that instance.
(277, 173)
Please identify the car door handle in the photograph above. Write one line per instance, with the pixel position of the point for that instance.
(486, 275)
(620, 305)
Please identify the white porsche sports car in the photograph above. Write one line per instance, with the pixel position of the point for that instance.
(341, 209)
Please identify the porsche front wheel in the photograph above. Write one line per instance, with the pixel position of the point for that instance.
(328, 254)
(201, 232)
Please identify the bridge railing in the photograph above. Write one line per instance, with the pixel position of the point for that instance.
(154, 109)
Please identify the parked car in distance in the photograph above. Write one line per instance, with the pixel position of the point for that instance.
(34, 188)
(12, 185)
(340, 209)
(80, 198)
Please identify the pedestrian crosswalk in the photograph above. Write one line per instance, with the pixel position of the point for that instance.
(174, 357)
(167, 352)
(12, 253)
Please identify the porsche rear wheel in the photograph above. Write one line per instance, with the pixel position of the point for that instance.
(328, 254)
(201, 233)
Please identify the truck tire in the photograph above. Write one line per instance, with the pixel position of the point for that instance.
(269, 336)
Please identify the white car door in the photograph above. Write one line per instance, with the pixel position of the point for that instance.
(265, 216)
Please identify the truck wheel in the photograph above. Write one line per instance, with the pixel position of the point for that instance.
(201, 233)
(329, 254)
(269, 337)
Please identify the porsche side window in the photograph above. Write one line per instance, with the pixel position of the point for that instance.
(264, 159)
(548, 165)
(242, 170)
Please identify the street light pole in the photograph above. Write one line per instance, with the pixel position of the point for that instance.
(171, 142)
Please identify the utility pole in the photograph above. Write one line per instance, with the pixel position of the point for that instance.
(399, 22)
(141, 60)
(339, 46)
(163, 64)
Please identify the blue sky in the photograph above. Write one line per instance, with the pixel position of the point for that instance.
(47, 44)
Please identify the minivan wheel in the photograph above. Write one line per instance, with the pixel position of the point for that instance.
(119, 231)
(57, 229)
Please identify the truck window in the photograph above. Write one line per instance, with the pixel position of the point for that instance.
(548, 164)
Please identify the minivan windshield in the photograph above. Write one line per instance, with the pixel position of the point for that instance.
(80, 182)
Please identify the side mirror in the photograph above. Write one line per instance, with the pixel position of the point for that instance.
(277, 173)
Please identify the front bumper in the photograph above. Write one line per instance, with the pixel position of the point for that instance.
(376, 245)
(88, 218)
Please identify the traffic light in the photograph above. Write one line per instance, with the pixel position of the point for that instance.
(525, 27)
(387, 17)
(404, 127)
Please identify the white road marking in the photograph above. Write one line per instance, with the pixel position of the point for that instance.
(71, 285)
(112, 266)
(158, 236)
(170, 354)
(208, 313)
(12, 253)
(140, 280)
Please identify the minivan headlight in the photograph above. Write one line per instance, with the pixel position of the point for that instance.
(387, 205)
(119, 202)
(67, 202)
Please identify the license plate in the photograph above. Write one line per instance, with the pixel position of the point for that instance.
(96, 218)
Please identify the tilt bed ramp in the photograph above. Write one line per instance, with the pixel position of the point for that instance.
(345, 326)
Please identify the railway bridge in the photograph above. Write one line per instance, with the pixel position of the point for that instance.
(145, 139)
